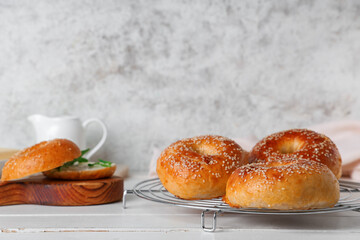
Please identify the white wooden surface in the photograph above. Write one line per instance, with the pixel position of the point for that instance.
(147, 220)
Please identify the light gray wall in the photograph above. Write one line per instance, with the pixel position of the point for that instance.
(157, 71)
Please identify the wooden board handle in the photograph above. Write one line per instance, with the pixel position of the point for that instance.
(6, 153)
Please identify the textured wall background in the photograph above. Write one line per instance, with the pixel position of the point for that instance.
(157, 71)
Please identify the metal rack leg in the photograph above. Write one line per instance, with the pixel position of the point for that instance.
(206, 229)
(125, 193)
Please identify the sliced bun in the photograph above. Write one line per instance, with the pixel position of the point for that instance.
(81, 172)
(40, 157)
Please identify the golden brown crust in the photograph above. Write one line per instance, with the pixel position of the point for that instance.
(40, 157)
(199, 167)
(81, 175)
(288, 184)
(299, 143)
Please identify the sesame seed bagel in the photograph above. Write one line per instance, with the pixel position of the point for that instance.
(298, 143)
(283, 185)
(40, 157)
(199, 167)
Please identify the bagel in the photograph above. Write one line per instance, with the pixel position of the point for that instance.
(82, 171)
(58, 159)
(298, 143)
(199, 167)
(289, 184)
(40, 157)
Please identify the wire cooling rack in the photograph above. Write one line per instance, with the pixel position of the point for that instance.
(153, 190)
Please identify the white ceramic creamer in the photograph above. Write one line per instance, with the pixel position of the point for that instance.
(68, 127)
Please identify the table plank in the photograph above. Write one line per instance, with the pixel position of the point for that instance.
(146, 216)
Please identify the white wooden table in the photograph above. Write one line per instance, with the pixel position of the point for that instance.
(149, 220)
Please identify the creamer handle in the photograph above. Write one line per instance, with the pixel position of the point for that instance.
(89, 154)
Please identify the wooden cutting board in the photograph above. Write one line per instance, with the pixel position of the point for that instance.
(44, 191)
